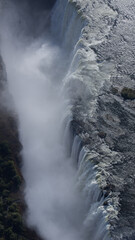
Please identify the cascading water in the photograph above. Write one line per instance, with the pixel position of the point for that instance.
(63, 203)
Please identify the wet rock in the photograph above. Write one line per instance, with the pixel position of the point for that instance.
(110, 122)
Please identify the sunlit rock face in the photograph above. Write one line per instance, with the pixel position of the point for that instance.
(102, 65)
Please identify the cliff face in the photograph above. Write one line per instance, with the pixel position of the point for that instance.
(99, 38)
(105, 117)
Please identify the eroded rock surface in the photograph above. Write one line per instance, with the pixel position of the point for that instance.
(103, 119)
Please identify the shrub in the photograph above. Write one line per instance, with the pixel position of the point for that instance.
(1, 230)
(16, 222)
(9, 170)
(8, 201)
(10, 235)
(1, 217)
(1, 205)
(13, 208)
(16, 182)
(128, 93)
(2, 185)
(4, 149)
(5, 193)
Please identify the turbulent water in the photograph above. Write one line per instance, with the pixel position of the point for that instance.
(37, 69)
(61, 65)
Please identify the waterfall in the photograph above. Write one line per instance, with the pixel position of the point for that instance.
(63, 198)
(69, 24)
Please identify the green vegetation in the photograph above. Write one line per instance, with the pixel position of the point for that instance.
(12, 226)
(128, 93)
(4, 149)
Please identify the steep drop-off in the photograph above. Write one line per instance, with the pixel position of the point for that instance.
(12, 206)
(97, 43)
(103, 116)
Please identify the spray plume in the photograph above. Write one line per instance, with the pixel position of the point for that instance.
(35, 67)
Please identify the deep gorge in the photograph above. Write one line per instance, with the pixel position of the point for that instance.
(65, 80)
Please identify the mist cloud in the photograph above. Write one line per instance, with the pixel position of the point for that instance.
(35, 69)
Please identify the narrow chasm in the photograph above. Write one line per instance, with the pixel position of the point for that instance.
(63, 199)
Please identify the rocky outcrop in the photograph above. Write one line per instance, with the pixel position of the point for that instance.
(104, 118)
(102, 66)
